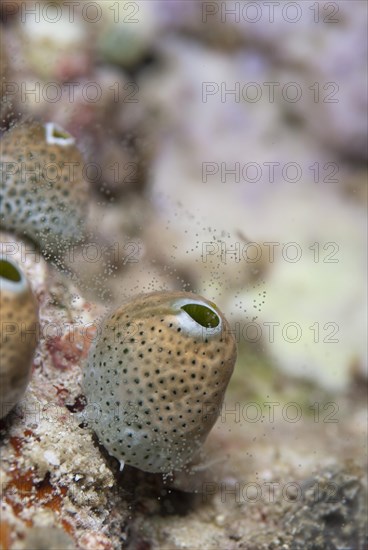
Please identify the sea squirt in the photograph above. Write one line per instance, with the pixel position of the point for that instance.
(18, 333)
(43, 192)
(156, 377)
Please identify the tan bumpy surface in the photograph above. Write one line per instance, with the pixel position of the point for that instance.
(18, 333)
(43, 192)
(157, 376)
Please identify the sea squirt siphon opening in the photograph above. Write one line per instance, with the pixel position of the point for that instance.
(56, 135)
(9, 271)
(203, 315)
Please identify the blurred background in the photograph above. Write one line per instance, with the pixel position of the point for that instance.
(225, 146)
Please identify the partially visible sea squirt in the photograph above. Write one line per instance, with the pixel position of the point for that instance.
(156, 377)
(18, 333)
(43, 194)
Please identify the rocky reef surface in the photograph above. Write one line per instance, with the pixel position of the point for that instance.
(282, 468)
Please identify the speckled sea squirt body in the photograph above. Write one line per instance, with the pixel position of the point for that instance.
(18, 333)
(156, 378)
(43, 194)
